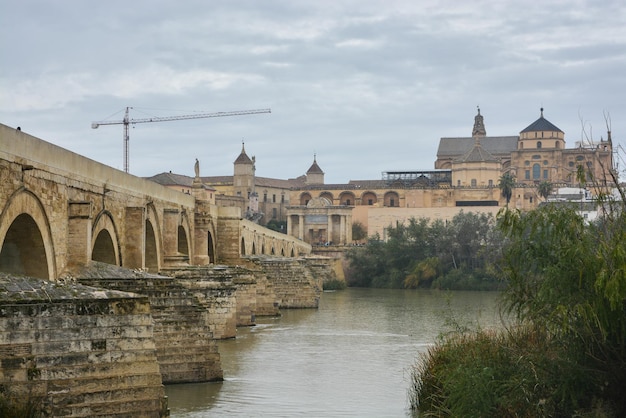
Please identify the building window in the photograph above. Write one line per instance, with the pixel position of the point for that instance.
(490, 183)
(473, 182)
(538, 144)
(536, 171)
(282, 198)
(370, 202)
(527, 175)
(392, 203)
(265, 197)
(348, 202)
(458, 183)
(545, 174)
(274, 213)
(273, 198)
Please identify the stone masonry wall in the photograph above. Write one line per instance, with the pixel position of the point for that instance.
(292, 280)
(86, 352)
(183, 324)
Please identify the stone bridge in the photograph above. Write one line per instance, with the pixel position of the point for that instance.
(60, 210)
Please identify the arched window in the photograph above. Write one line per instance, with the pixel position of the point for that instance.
(538, 144)
(369, 199)
(327, 195)
(304, 199)
(536, 171)
(392, 199)
(347, 199)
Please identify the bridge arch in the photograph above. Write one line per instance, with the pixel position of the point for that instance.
(26, 237)
(210, 248)
(152, 240)
(184, 237)
(105, 243)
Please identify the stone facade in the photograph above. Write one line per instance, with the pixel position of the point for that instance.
(320, 223)
(466, 177)
(293, 282)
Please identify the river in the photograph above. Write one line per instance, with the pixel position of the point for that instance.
(352, 357)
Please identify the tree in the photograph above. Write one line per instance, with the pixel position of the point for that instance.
(359, 232)
(568, 277)
(506, 185)
(544, 189)
(275, 225)
(424, 272)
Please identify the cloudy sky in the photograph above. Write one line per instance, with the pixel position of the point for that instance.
(367, 86)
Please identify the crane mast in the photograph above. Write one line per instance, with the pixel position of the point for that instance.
(127, 121)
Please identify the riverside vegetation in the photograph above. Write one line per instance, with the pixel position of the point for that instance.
(565, 353)
(455, 255)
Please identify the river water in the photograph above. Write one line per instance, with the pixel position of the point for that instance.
(352, 357)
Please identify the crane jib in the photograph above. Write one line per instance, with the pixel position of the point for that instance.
(127, 121)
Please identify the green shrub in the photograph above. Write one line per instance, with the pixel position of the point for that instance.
(514, 373)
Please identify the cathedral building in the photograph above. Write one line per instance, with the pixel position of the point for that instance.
(466, 174)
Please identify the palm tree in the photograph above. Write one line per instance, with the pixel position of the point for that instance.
(506, 184)
(544, 189)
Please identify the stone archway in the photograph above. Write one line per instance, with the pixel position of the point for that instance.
(26, 238)
(152, 241)
(369, 199)
(347, 199)
(305, 198)
(211, 248)
(23, 251)
(105, 242)
(391, 199)
(184, 241)
(329, 196)
(103, 248)
(152, 258)
(183, 245)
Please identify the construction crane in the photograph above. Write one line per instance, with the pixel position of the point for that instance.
(127, 122)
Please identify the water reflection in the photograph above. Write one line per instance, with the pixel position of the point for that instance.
(351, 357)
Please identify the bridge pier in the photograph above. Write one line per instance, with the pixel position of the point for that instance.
(134, 233)
(79, 234)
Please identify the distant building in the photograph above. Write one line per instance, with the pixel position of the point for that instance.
(466, 176)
